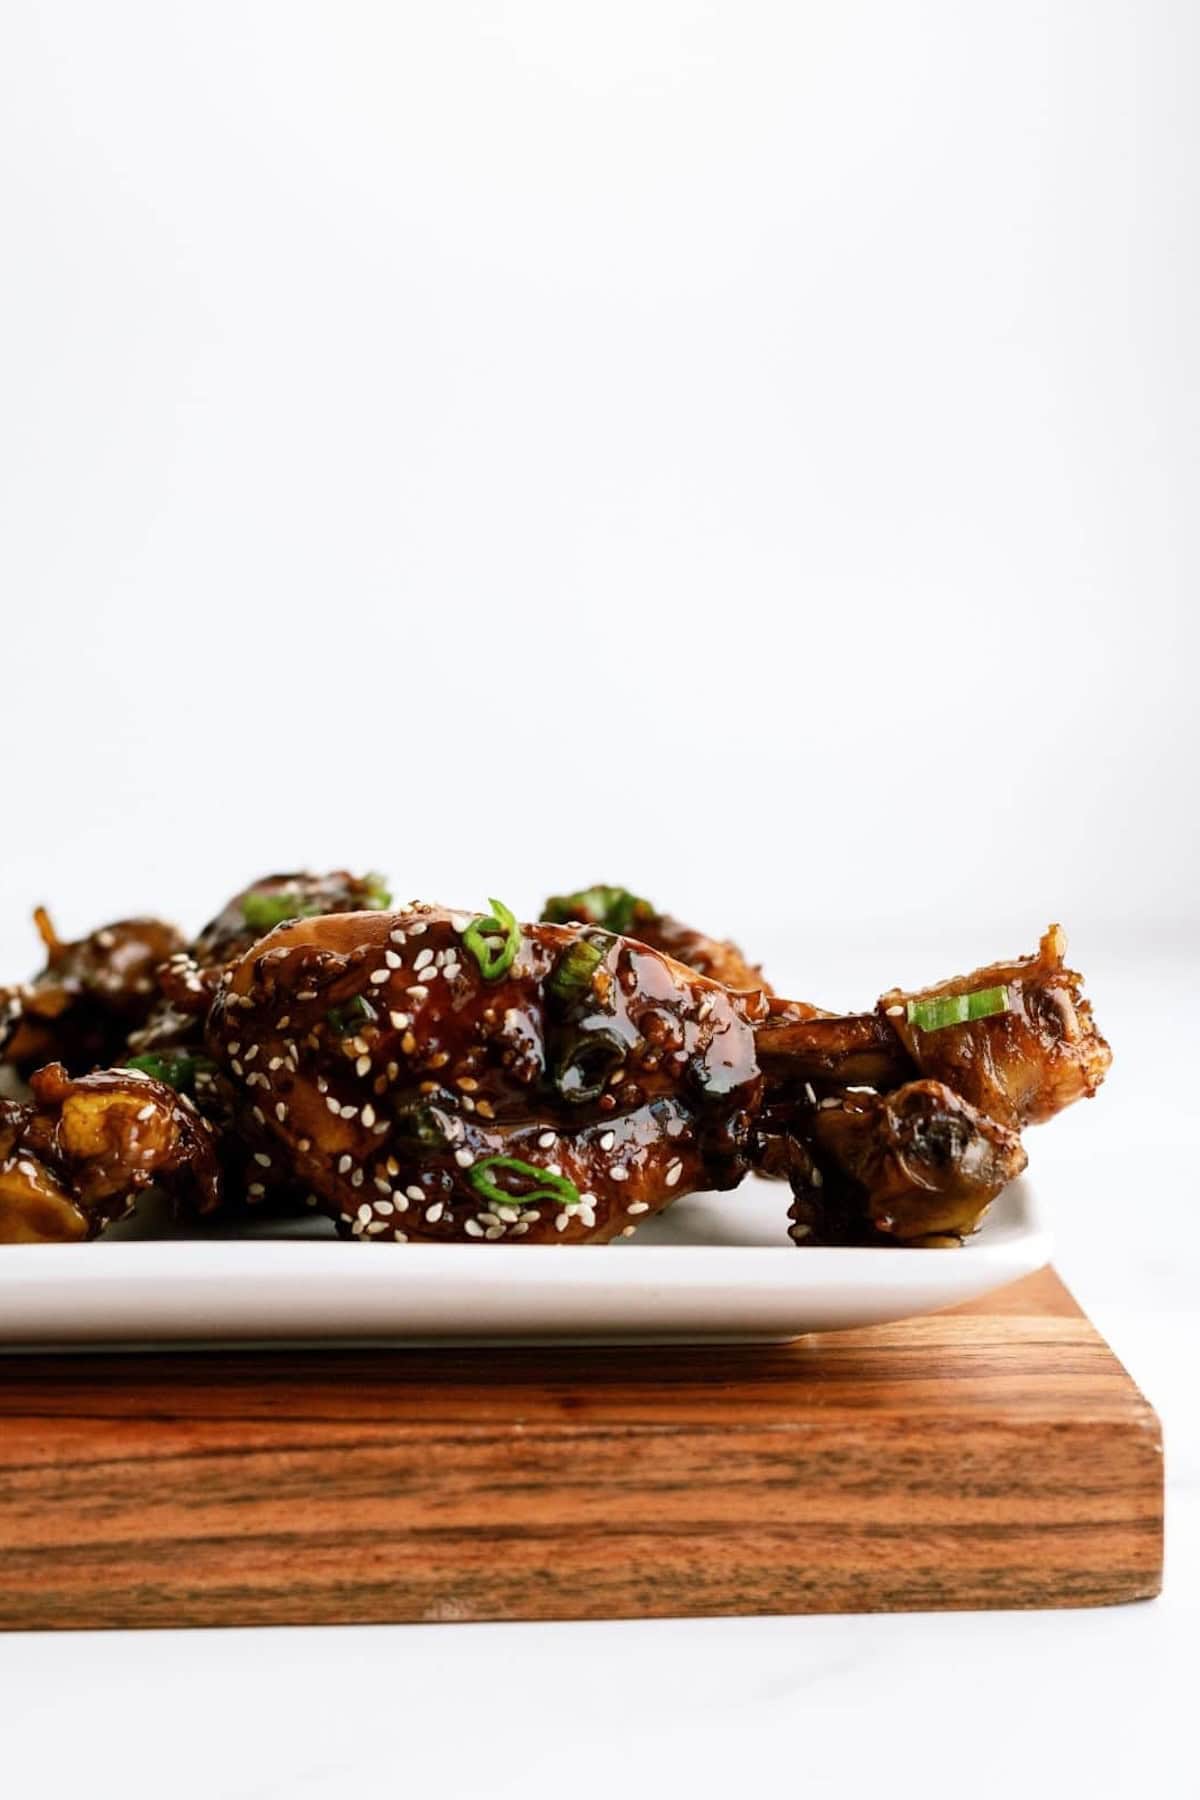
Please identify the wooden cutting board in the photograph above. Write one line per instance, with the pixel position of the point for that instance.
(993, 1456)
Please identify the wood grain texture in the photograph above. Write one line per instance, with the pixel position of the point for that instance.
(993, 1456)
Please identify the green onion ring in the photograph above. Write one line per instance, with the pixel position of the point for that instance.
(549, 1187)
(941, 1010)
(494, 963)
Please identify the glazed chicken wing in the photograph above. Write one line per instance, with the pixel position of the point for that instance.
(616, 909)
(436, 1076)
(74, 1159)
(919, 1165)
(1016, 1039)
(91, 994)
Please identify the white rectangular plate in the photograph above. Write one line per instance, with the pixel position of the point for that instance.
(715, 1267)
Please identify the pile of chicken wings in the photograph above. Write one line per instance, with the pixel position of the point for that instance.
(424, 1074)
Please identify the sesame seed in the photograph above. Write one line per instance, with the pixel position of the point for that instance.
(547, 1140)
(895, 1012)
(419, 993)
(236, 1066)
(473, 1228)
(673, 1173)
(383, 1184)
(463, 1158)
(235, 1047)
(493, 1232)
(348, 1112)
(416, 930)
(332, 1104)
(401, 1200)
(251, 1053)
(816, 1179)
(378, 976)
(263, 1161)
(363, 1066)
(415, 1193)
(385, 1207)
(368, 1115)
(392, 960)
(562, 1221)
(147, 1111)
(280, 1111)
(433, 1213)
(364, 1212)
(637, 1206)
(276, 1062)
(519, 1230)
(401, 1237)
(467, 1083)
(345, 1164)
(810, 1093)
(607, 1140)
(376, 1226)
(356, 1180)
(257, 1189)
(826, 1104)
(619, 1172)
(397, 936)
(304, 1145)
(400, 1021)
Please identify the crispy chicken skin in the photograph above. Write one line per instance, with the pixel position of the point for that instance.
(91, 994)
(74, 1159)
(616, 909)
(391, 1072)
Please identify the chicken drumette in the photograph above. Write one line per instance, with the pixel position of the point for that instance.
(435, 1076)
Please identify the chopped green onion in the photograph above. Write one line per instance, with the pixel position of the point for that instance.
(941, 1010)
(494, 961)
(613, 907)
(572, 973)
(378, 895)
(348, 1018)
(177, 1068)
(583, 1073)
(264, 911)
(547, 1186)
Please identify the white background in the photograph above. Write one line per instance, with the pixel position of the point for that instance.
(745, 451)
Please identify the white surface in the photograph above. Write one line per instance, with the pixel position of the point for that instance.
(714, 1267)
(538, 442)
